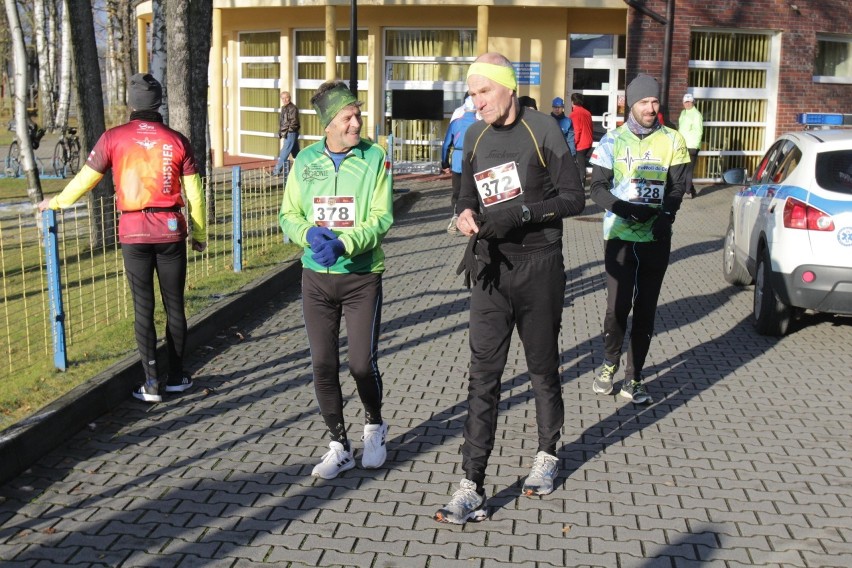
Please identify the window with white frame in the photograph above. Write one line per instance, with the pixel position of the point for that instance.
(833, 61)
(425, 59)
(257, 93)
(734, 77)
(310, 74)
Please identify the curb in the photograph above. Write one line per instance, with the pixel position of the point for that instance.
(25, 442)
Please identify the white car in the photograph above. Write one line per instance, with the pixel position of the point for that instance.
(790, 229)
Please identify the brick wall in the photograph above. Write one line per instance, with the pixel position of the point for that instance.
(797, 91)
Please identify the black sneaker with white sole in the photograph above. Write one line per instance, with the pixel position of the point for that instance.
(149, 391)
(181, 385)
(635, 391)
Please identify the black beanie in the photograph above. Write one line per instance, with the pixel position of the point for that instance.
(642, 87)
(144, 92)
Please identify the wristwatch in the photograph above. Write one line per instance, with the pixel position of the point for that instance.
(525, 213)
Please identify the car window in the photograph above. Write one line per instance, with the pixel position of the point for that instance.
(768, 163)
(834, 171)
(790, 157)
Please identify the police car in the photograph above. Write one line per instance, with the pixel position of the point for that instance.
(790, 229)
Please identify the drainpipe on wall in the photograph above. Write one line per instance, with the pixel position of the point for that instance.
(668, 22)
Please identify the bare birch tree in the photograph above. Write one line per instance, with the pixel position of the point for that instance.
(45, 63)
(5, 49)
(64, 99)
(21, 123)
(157, 67)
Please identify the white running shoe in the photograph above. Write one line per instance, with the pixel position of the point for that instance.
(544, 470)
(466, 505)
(375, 449)
(335, 461)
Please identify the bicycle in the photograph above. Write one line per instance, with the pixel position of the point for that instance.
(12, 165)
(66, 154)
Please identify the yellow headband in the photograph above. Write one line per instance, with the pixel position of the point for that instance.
(498, 73)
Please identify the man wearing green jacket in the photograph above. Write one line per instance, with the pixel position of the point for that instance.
(338, 206)
(691, 127)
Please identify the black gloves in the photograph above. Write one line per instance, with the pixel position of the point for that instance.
(498, 224)
(633, 211)
(662, 227)
(468, 264)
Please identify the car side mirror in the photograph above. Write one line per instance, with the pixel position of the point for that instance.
(735, 176)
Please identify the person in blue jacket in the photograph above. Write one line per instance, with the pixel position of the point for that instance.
(565, 124)
(454, 140)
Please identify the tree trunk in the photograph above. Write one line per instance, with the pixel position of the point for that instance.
(111, 58)
(178, 65)
(126, 47)
(201, 20)
(21, 119)
(64, 101)
(91, 116)
(45, 75)
(158, 54)
(53, 61)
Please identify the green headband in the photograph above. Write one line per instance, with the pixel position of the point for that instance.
(498, 73)
(332, 101)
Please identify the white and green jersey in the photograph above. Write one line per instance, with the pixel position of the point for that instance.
(640, 168)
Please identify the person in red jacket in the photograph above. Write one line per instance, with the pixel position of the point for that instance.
(582, 120)
(150, 163)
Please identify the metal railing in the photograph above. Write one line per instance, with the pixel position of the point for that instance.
(39, 252)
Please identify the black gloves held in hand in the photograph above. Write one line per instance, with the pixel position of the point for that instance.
(662, 227)
(498, 224)
(633, 211)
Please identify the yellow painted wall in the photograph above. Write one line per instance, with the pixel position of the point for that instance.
(528, 34)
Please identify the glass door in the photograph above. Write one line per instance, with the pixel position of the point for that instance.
(596, 69)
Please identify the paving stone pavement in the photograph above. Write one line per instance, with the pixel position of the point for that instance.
(743, 460)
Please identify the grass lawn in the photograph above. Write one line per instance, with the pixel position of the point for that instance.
(27, 390)
(93, 350)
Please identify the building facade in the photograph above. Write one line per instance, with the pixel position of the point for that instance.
(752, 65)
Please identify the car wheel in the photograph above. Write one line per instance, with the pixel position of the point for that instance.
(771, 315)
(735, 273)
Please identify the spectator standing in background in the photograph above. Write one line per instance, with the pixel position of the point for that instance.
(583, 133)
(454, 141)
(691, 127)
(288, 131)
(565, 125)
(529, 102)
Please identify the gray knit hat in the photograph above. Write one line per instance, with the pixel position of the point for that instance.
(642, 87)
(144, 92)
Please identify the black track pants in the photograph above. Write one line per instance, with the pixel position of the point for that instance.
(529, 295)
(169, 262)
(634, 276)
(325, 298)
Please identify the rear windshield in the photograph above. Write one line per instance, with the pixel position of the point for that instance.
(834, 171)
